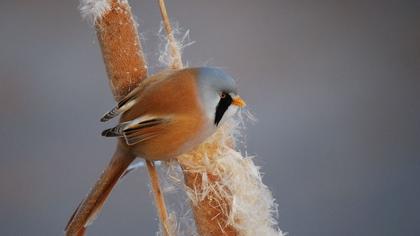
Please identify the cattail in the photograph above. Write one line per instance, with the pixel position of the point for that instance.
(224, 187)
(126, 67)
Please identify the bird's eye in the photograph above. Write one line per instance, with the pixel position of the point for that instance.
(223, 95)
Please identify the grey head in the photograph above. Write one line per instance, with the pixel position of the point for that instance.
(218, 93)
(217, 79)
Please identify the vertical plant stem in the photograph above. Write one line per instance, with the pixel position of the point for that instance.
(211, 212)
(126, 67)
(159, 198)
(175, 54)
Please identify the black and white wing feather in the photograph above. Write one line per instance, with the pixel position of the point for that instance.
(138, 130)
(130, 100)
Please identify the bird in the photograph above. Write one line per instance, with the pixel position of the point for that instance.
(166, 115)
(173, 111)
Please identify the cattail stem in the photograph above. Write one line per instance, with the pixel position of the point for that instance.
(211, 212)
(126, 67)
(159, 198)
(174, 52)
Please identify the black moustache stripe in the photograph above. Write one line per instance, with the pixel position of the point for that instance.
(221, 108)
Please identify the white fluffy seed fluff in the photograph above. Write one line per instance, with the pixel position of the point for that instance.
(165, 56)
(253, 208)
(92, 10)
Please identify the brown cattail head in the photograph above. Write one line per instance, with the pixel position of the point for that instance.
(121, 49)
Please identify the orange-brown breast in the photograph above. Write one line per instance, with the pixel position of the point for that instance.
(176, 96)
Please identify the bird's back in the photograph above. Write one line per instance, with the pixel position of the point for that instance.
(173, 94)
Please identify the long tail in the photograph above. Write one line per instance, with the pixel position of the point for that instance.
(92, 204)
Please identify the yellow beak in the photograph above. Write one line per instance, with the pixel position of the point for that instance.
(238, 101)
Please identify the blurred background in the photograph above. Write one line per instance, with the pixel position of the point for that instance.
(335, 86)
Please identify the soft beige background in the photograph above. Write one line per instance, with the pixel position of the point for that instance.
(335, 85)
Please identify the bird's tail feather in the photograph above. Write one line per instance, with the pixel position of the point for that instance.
(92, 204)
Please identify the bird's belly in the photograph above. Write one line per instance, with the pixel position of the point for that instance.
(173, 143)
(164, 148)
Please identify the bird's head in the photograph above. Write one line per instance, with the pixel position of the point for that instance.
(218, 94)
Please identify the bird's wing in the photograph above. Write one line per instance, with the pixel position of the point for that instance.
(126, 103)
(130, 100)
(140, 129)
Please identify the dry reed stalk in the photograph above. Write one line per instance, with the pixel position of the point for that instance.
(211, 212)
(126, 67)
(174, 52)
(159, 198)
(225, 188)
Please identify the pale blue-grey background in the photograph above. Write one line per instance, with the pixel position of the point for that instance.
(335, 85)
